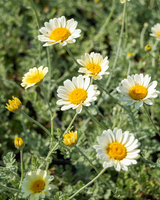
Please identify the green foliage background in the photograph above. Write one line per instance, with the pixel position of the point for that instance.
(20, 50)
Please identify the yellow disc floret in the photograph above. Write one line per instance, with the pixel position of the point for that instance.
(19, 143)
(70, 138)
(158, 33)
(38, 186)
(94, 68)
(13, 104)
(78, 96)
(116, 151)
(138, 92)
(148, 47)
(60, 34)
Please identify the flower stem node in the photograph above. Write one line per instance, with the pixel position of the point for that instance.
(147, 47)
(117, 149)
(36, 185)
(19, 143)
(13, 105)
(70, 139)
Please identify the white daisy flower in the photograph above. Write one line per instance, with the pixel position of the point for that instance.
(58, 30)
(137, 89)
(122, 1)
(156, 31)
(77, 93)
(94, 65)
(36, 185)
(117, 149)
(34, 76)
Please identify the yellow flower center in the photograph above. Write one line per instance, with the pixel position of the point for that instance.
(70, 138)
(78, 95)
(158, 33)
(116, 151)
(138, 92)
(60, 34)
(36, 78)
(13, 104)
(94, 68)
(18, 142)
(38, 186)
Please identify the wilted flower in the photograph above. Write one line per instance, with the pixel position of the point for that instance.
(117, 149)
(34, 76)
(58, 30)
(94, 65)
(77, 93)
(70, 139)
(13, 104)
(36, 185)
(137, 89)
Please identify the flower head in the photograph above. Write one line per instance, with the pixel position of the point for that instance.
(130, 55)
(18, 143)
(13, 104)
(122, 1)
(37, 185)
(137, 89)
(58, 30)
(94, 65)
(77, 93)
(34, 76)
(148, 47)
(156, 31)
(70, 139)
(117, 149)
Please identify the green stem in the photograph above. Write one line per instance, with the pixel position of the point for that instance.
(36, 14)
(50, 152)
(94, 168)
(70, 53)
(11, 82)
(49, 66)
(40, 125)
(145, 108)
(9, 189)
(154, 48)
(132, 118)
(142, 37)
(21, 156)
(119, 44)
(70, 124)
(102, 29)
(129, 68)
(94, 119)
(87, 184)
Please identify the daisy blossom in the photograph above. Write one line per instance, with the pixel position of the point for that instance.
(34, 76)
(137, 89)
(117, 149)
(77, 93)
(94, 65)
(36, 185)
(156, 31)
(14, 104)
(70, 139)
(58, 30)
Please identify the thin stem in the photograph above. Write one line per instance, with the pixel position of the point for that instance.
(70, 53)
(142, 37)
(94, 168)
(154, 48)
(102, 29)
(119, 44)
(145, 108)
(15, 84)
(49, 66)
(71, 123)
(129, 68)
(94, 119)
(36, 14)
(116, 101)
(9, 189)
(40, 125)
(21, 156)
(50, 152)
(88, 184)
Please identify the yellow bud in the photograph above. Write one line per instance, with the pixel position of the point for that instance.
(14, 104)
(70, 139)
(147, 47)
(130, 55)
(19, 143)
